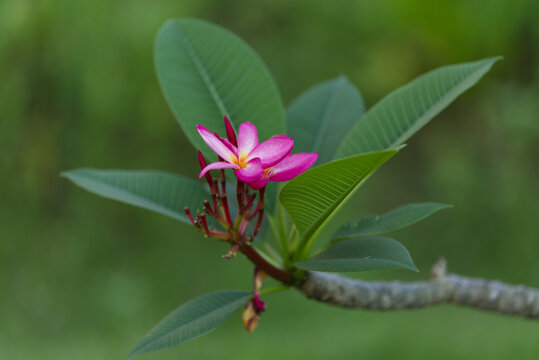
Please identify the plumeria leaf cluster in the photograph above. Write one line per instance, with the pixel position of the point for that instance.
(271, 179)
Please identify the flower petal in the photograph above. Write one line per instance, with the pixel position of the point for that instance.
(216, 144)
(252, 172)
(257, 185)
(217, 165)
(247, 139)
(273, 150)
(293, 165)
(230, 146)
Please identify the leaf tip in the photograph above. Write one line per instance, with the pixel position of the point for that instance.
(441, 206)
(490, 61)
(66, 174)
(400, 147)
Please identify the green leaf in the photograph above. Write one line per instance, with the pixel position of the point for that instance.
(402, 113)
(369, 253)
(395, 219)
(197, 317)
(207, 72)
(158, 191)
(322, 116)
(313, 197)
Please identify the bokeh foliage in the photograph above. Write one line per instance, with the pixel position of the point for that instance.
(84, 278)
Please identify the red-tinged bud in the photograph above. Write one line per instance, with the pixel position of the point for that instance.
(255, 306)
(201, 160)
(202, 163)
(258, 303)
(230, 133)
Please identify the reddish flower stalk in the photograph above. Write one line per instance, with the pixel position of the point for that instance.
(214, 201)
(240, 193)
(281, 275)
(224, 200)
(243, 226)
(258, 222)
(250, 201)
(202, 220)
(223, 182)
(219, 235)
(214, 187)
(209, 209)
(189, 215)
(260, 205)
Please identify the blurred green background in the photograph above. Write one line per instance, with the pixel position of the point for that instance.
(86, 278)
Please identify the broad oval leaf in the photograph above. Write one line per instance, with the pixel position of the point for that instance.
(368, 253)
(207, 72)
(313, 197)
(322, 116)
(403, 112)
(395, 219)
(197, 317)
(165, 193)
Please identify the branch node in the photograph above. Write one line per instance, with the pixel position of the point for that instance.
(439, 269)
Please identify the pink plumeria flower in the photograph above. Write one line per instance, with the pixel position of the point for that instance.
(287, 169)
(248, 158)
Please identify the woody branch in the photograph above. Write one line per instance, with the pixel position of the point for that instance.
(444, 287)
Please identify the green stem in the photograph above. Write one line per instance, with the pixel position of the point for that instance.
(276, 234)
(283, 237)
(293, 238)
(274, 289)
(305, 247)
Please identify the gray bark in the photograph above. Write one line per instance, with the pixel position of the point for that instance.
(443, 287)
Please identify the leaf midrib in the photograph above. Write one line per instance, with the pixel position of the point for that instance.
(76, 178)
(433, 109)
(138, 351)
(316, 228)
(483, 67)
(329, 109)
(195, 58)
